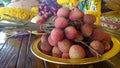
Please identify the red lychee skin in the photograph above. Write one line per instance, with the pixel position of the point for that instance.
(106, 45)
(61, 22)
(64, 45)
(52, 42)
(64, 11)
(70, 32)
(107, 37)
(56, 52)
(89, 18)
(76, 51)
(40, 21)
(57, 34)
(97, 46)
(98, 34)
(45, 47)
(65, 56)
(44, 38)
(87, 30)
(76, 14)
(79, 37)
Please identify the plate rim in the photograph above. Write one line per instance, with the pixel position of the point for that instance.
(42, 56)
(36, 33)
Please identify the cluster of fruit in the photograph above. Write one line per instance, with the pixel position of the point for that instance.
(48, 8)
(71, 27)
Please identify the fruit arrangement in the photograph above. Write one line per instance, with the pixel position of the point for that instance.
(74, 35)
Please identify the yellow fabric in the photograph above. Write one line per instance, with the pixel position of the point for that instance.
(34, 11)
(74, 2)
(97, 13)
(16, 12)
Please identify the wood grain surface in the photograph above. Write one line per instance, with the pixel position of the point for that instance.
(14, 54)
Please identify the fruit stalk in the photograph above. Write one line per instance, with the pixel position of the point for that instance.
(98, 54)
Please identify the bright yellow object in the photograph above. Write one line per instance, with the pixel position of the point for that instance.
(95, 9)
(16, 12)
(62, 2)
(34, 11)
(114, 50)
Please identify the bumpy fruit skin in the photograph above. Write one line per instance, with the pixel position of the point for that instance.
(70, 32)
(107, 37)
(89, 18)
(64, 12)
(57, 34)
(45, 47)
(98, 34)
(87, 30)
(65, 56)
(61, 22)
(56, 52)
(40, 21)
(106, 45)
(97, 46)
(64, 45)
(76, 51)
(52, 42)
(79, 37)
(44, 38)
(76, 14)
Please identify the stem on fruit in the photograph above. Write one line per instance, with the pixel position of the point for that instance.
(98, 55)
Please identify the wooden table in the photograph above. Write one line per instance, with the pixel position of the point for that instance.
(15, 53)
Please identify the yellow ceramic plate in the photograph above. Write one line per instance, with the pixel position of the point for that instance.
(115, 49)
(36, 33)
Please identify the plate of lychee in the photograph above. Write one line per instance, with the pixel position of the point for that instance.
(74, 40)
